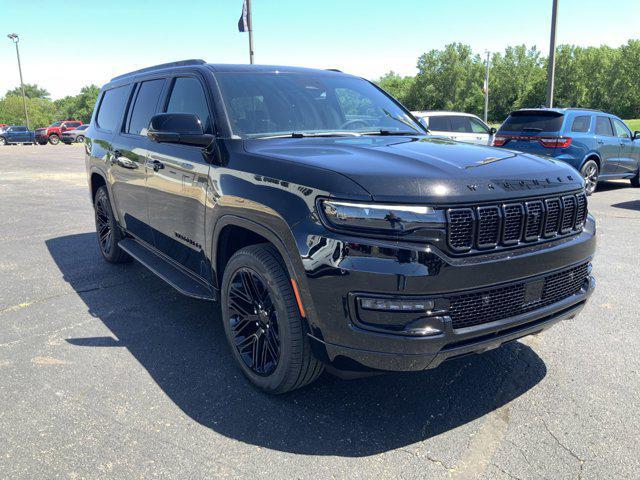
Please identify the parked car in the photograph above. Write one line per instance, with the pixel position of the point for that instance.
(41, 136)
(463, 127)
(53, 133)
(73, 136)
(330, 227)
(16, 134)
(597, 144)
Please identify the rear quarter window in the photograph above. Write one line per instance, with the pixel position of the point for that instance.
(581, 123)
(111, 106)
(541, 122)
(603, 127)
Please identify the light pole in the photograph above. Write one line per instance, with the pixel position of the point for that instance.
(486, 91)
(15, 39)
(551, 68)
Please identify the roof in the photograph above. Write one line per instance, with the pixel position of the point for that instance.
(440, 113)
(221, 67)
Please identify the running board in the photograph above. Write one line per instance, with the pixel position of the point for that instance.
(176, 277)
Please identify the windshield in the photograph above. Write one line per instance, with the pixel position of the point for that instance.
(57, 124)
(274, 104)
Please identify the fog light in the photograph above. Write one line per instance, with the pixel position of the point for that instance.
(396, 305)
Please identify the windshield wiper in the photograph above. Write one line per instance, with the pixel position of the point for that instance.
(382, 132)
(312, 134)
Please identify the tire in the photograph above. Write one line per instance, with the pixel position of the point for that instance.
(3, 141)
(262, 322)
(80, 139)
(54, 139)
(635, 181)
(107, 229)
(590, 172)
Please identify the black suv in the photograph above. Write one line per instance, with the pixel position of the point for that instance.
(328, 223)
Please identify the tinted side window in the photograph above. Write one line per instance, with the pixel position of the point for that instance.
(581, 123)
(187, 96)
(111, 108)
(621, 129)
(477, 127)
(144, 105)
(19, 129)
(460, 124)
(603, 127)
(439, 124)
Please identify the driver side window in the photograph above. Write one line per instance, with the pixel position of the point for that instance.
(621, 129)
(478, 127)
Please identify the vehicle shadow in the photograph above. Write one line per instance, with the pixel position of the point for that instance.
(630, 205)
(181, 343)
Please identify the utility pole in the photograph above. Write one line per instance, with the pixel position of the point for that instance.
(551, 68)
(486, 91)
(15, 39)
(250, 25)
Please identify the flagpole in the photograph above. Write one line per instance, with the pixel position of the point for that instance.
(250, 25)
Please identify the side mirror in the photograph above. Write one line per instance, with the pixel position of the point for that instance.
(492, 131)
(636, 135)
(183, 128)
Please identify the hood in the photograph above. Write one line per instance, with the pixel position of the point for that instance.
(426, 169)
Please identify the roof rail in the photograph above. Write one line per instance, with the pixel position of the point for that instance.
(586, 109)
(180, 63)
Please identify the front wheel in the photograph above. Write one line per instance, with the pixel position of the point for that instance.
(2, 141)
(109, 234)
(635, 181)
(262, 322)
(590, 173)
(54, 139)
(80, 139)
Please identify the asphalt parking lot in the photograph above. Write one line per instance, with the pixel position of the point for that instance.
(106, 372)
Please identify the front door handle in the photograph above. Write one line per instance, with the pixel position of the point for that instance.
(155, 164)
(600, 142)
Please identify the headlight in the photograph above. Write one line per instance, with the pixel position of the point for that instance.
(380, 218)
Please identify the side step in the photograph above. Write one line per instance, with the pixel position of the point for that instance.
(176, 277)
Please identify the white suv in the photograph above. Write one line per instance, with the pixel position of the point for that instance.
(463, 127)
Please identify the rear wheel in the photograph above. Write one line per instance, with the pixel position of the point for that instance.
(109, 233)
(54, 139)
(262, 322)
(590, 173)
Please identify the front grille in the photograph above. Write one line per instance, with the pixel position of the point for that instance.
(491, 226)
(490, 305)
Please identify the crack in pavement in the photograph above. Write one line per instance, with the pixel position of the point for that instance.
(580, 460)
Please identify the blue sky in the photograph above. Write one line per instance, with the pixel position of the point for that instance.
(65, 45)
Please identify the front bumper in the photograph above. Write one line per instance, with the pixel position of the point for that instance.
(341, 268)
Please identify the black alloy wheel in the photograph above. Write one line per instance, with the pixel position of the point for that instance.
(590, 173)
(254, 322)
(109, 233)
(262, 321)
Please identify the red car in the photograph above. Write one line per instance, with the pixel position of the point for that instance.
(52, 133)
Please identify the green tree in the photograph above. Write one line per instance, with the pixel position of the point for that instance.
(78, 107)
(448, 79)
(41, 111)
(31, 90)
(397, 86)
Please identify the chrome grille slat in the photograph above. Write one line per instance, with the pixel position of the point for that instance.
(486, 227)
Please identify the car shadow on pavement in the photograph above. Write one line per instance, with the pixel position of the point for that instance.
(181, 343)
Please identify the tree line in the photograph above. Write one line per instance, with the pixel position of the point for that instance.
(42, 110)
(602, 78)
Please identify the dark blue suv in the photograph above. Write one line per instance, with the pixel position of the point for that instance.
(597, 144)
